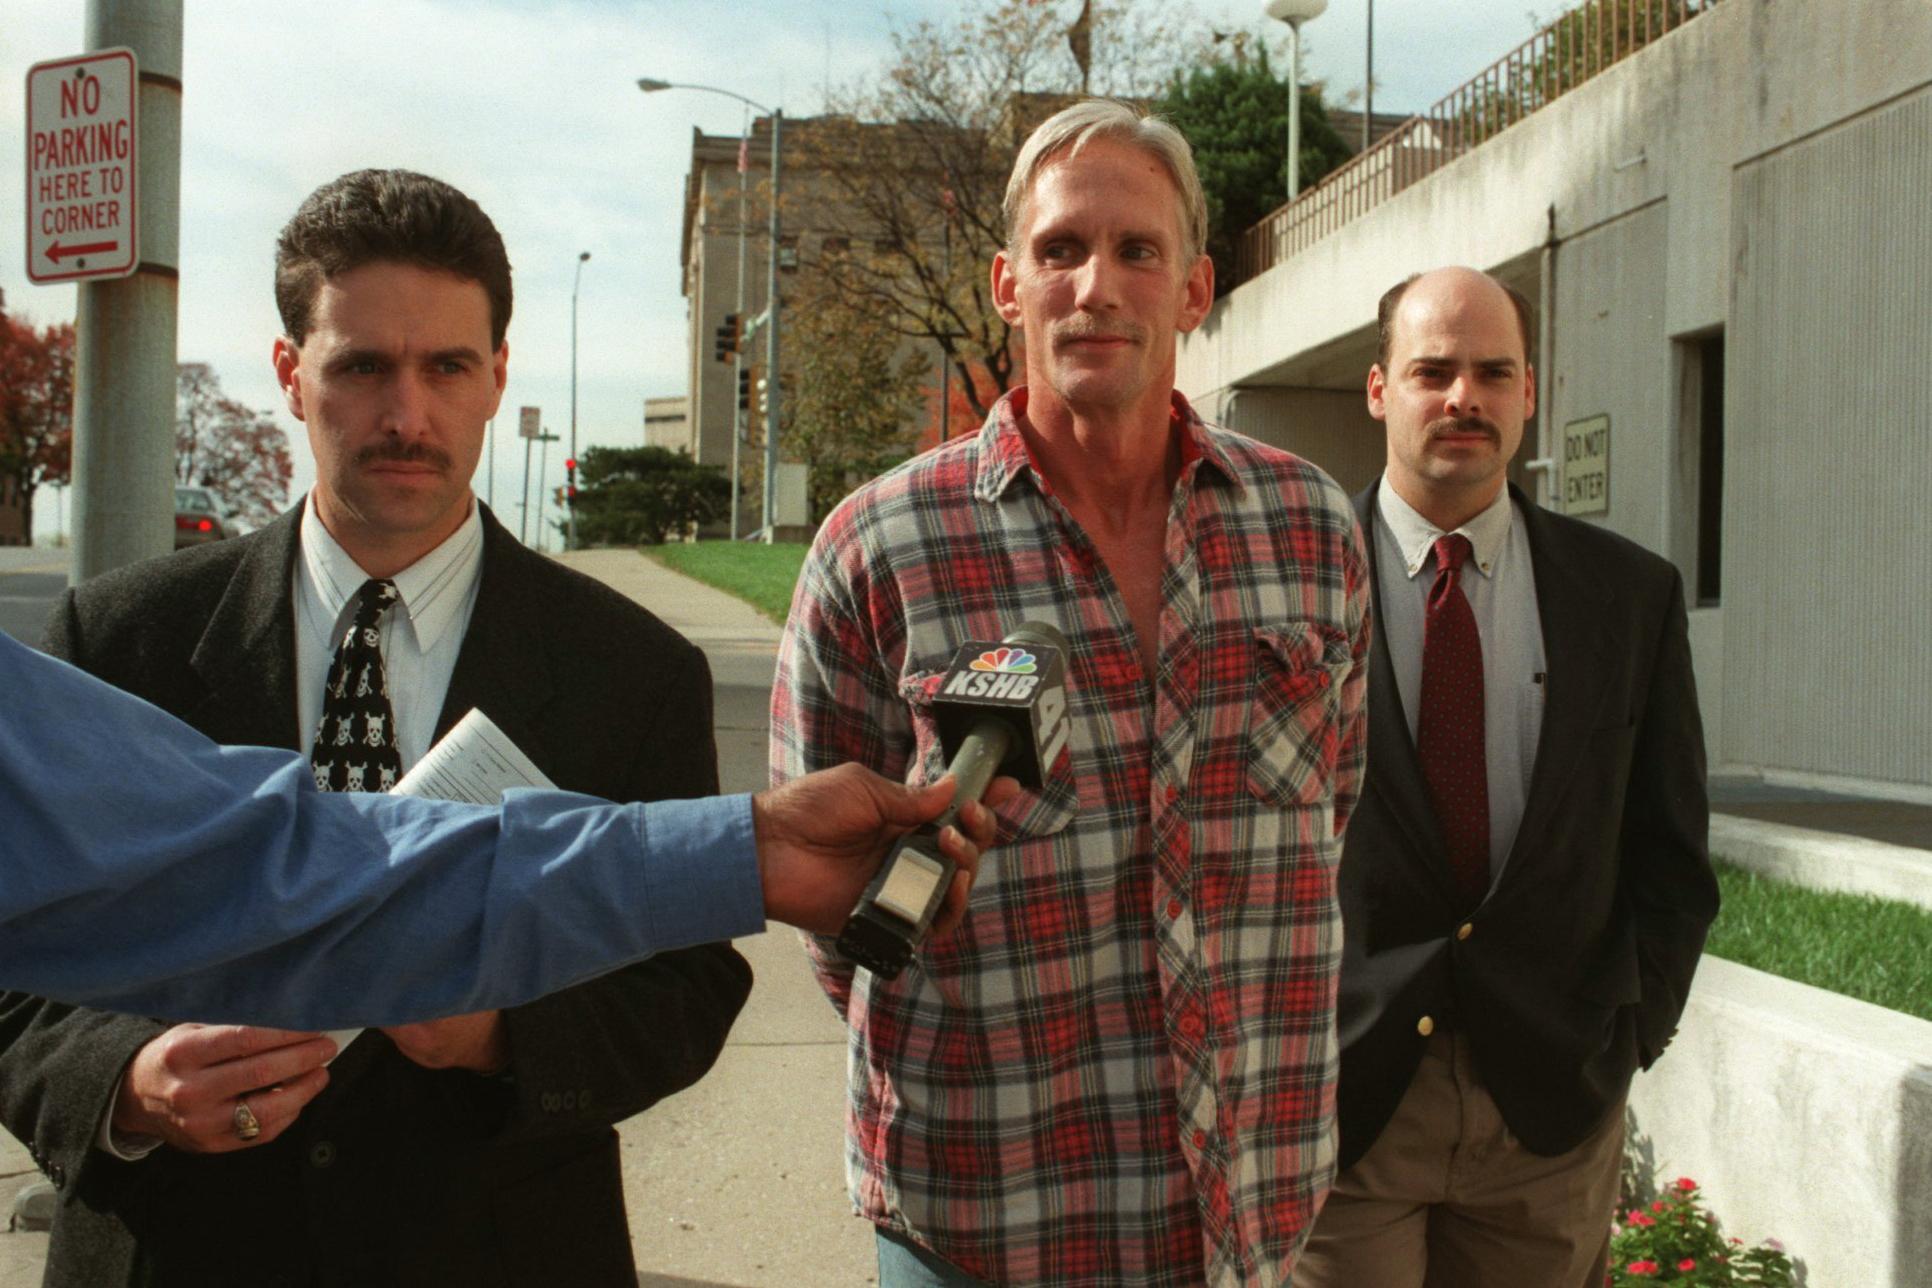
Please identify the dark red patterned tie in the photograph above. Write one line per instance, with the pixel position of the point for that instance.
(1449, 728)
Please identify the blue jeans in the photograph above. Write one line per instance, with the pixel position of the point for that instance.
(904, 1264)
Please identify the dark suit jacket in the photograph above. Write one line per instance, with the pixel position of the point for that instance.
(395, 1173)
(1576, 966)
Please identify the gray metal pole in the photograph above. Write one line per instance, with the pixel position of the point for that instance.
(1294, 111)
(945, 368)
(570, 510)
(543, 459)
(124, 331)
(774, 395)
(523, 510)
(1368, 82)
(738, 411)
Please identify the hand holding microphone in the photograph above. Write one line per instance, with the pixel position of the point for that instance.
(1001, 709)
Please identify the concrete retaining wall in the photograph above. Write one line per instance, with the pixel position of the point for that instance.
(1806, 1116)
(1825, 861)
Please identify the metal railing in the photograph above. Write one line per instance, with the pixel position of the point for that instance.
(1582, 43)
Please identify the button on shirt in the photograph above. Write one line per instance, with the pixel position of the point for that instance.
(1120, 1068)
(421, 635)
(1502, 595)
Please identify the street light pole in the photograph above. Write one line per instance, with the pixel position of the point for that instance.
(775, 394)
(773, 398)
(570, 508)
(1294, 13)
(740, 395)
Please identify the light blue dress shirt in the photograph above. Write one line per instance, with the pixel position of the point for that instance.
(144, 868)
(1502, 595)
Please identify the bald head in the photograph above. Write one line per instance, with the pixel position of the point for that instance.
(1454, 388)
(1467, 284)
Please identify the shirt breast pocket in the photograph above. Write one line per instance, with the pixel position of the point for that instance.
(1039, 810)
(1292, 736)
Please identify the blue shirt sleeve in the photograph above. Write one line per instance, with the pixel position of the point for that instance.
(145, 868)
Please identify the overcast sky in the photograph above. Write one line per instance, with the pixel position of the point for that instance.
(531, 107)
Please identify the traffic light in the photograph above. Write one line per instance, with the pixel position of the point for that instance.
(727, 337)
(570, 479)
(744, 389)
(764, 396)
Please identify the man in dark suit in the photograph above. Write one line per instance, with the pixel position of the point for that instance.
(1524, 884)
(360, 627)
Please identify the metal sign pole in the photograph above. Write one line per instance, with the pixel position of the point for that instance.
(124, 331)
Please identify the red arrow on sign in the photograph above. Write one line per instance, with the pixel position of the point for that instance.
(58, 252)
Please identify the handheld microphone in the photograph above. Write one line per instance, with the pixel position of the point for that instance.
(1001, 709)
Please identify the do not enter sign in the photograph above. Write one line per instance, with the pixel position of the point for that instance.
(81, 167)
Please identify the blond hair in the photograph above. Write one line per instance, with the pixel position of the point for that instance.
(1071, 129)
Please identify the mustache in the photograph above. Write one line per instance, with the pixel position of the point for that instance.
(1087, 328)
(417, 453)
(1463, 425)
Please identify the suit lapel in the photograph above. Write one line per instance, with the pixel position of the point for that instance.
(245, 657)
(1578, 635)
(500, 667)
(1395, 772)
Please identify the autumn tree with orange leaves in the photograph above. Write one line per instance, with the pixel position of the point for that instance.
(36, 408)
(239, 453)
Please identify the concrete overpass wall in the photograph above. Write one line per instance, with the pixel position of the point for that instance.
(1757, 176)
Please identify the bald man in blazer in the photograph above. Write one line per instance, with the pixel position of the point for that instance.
(1524, 885)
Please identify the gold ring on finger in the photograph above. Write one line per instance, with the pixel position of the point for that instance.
(247, 1126)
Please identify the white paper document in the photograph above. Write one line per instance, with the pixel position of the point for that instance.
(475, 763)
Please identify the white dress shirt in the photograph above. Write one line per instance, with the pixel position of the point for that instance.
(421, 635)
(1502, 595)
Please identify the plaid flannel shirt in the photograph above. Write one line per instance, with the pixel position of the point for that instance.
(1121, 1067)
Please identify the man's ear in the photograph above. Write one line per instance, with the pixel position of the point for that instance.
(1200, 294)
(1005, 292)
(1529, 391)
(288, 374)
(500, 372)
(1378, 405)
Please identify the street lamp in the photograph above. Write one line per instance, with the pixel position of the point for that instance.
(777, 116)
(570, 493)
(1294, 13)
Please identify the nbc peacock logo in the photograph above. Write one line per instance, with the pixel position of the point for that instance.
(1007, 661)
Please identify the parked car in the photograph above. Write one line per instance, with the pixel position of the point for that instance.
(199, 517)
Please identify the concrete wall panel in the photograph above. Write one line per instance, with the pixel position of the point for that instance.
(1332, 428)
(1612, 359)
(1829, 413)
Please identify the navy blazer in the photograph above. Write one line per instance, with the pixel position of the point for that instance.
(394, 1174)
(1574, 969)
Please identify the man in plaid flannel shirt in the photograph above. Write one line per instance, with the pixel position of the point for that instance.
(1120, 1069)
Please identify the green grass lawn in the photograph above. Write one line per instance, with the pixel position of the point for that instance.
(1876, 950)
(760, 575)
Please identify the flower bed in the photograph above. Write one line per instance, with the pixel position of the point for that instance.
(1673, 1240)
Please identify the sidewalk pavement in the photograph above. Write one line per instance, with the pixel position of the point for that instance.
(740, 1180)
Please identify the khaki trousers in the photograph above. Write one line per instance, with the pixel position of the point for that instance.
(1448, 1198)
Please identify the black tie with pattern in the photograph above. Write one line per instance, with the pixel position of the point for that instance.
(355, 744)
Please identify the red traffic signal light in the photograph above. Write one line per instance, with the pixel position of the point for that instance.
(570, 464)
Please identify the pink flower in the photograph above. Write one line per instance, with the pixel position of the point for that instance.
(1685, 1185)
(1774, 1245)
(1639, 1218)
(1659, 1206)
(1641, 1268)
(1687, 1264)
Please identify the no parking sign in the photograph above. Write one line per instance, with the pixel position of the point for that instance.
(81, 167)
